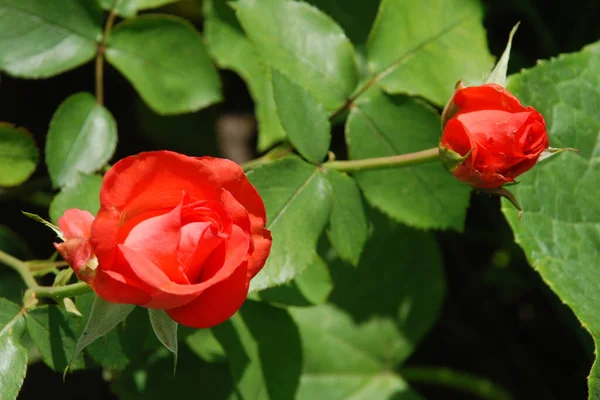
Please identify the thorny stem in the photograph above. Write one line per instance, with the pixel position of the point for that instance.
(462, 381)
(100, 53)
(57, 293)
(402, 160)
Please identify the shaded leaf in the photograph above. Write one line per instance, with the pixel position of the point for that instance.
(423, 48)
(204, 344)
(12, 286)
(18, 155)
(348, 228)
(289, 187)
(166, 61)
(305, 122)
(14, 356)
(424, 196)
(283, 33)
(84, 194)
(81, 139)
(45, 38)
(254, 340)
(128, 8)
(165, 330)
(54, 332)
(560, 231)
(233, 50)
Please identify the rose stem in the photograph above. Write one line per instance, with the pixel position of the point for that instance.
(402, 160)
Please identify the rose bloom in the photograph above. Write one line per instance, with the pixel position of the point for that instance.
(173, 232)
(506, 138)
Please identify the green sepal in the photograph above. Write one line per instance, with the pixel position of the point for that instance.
(451, 159)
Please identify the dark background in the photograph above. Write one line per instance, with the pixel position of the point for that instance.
(499, 319)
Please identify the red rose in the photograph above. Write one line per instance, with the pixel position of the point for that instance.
(506, 138)
(177, 233)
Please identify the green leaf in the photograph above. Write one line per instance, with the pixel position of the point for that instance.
(18, 155)
(423, 196)
(128, 8)
(378, 313)
(311, 287)
(14, 244)
(45, 38)
(354, 16)
(166, 61)
(119, 347)
(561, 218)
(305, 122)
(232, 50)
(165, 330)
(289, 187)
(14, 355)
(204, 344)
(84, 194)
(81, 139)
(254, 340)
(103, 317)
(54, 332)
(498, 74)
(423, 48)
(12, 286)
(285, 34)
(348, 227)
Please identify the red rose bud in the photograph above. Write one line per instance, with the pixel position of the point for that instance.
(178, 233)
(489, 137)
(76, 226)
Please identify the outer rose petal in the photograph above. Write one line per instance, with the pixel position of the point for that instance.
(490, 96)
(116, 288)
(76, 223)
(76, 252)
(216, 304)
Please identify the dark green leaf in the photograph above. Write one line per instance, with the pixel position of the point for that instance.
(348, 228)
(166, 61)
(305, 122)
(84, 194)
(45, 38)
(286, 34)
(560, 230)
(254, 340)
(119, 347)
(311, 287)
(54, 332)
(14, 355)
(165, 330)
(289, 187)
(355, 16)
(14, 244)
(103, 317)
(204, 344)
(18, 155)
(425, 47)
(81, 139)
(11, 284)
(424, 196)
(233, 50)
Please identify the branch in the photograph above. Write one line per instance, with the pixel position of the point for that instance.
(402, 160)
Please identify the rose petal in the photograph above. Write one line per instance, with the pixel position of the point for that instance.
(490, 96)
(262, 247)
(76, 223)
(116, 288)
(76, 252)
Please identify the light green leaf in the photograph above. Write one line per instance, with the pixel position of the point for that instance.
(304, 44)
(84, 195)
(81, 139)
(254, 340)
(311, 287)
(166, 61)
(204, 344)
(45, 38)
(54, 332)
(289, 187)
(423, 196)
(165, 330)
(103, 317)
(305, 122)
(233, 50)
(498, 74)
(18, 155)
(354, 16)
(128, 8)
(423, 48)
(348, 227)
(560, 230)
(14, 356)
(119, 347)
(377, 316)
